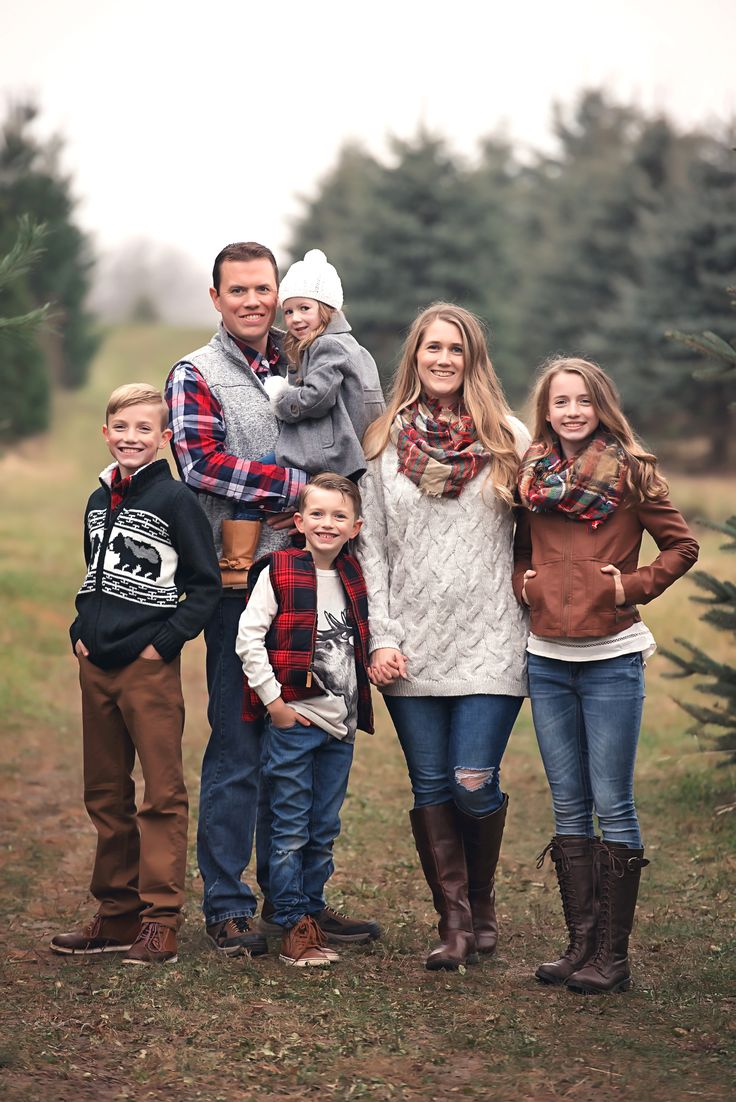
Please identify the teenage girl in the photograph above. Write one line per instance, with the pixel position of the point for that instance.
(590, 491)
(332, 394)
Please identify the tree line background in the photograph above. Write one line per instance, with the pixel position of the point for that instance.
(625, 231)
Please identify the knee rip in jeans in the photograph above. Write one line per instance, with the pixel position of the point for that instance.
(473, 779)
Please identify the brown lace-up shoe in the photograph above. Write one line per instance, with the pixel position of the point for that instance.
(341, 929)
(104, 934)
(155, 944)
(304, 946)
(237, 937)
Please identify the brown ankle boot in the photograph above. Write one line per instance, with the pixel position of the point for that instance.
(619, 875)
(239, 542)
(482, 842)
(574, 860)
(440, 847)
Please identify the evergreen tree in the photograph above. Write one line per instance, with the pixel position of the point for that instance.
(686, 254)
(401, 235)
(32, 182)
(720, 716)
(23, 374)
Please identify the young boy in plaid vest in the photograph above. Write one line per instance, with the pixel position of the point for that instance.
(303, 642)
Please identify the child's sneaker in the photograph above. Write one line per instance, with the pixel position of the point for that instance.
(155, 944)
(304, 946)
(104, 934)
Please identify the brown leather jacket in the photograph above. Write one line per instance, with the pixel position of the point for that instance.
(570, 597)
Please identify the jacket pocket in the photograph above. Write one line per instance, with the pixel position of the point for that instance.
(373, 405)
(544, 594)
(593, 599)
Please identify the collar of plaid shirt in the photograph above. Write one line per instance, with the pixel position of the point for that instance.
(255, 359)
(118, 488)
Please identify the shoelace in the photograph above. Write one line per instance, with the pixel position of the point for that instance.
(307, 935)
(241, 924)
(337, 914)
(93, 929)
(152, 935)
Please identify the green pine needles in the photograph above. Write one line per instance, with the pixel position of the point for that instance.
(715, 722)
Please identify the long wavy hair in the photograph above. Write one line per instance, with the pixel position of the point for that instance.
(295, 349)
(482, 395)
(643, 480)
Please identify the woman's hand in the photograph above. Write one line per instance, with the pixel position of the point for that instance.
(619, 589)
(387, 664)
(80, 650)
(282, 715)
(150, 654)
(527, 575)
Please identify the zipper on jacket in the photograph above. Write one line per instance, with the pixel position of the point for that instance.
(567, 578)
(111, 515)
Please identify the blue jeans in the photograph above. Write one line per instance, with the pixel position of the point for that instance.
(231, 798)
(453, 747)
(248, 510)
(587, 717)
(307, 772)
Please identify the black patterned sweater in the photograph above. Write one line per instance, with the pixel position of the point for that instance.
(143, 557)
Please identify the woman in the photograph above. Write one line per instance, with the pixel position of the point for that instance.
(448, 638)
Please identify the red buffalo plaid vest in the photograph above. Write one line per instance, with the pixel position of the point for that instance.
(291, 637)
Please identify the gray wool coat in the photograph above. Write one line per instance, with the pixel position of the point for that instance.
(333, 396)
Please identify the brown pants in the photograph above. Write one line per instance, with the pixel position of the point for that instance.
(140, 861)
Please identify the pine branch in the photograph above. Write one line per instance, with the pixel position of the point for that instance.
(27, 249)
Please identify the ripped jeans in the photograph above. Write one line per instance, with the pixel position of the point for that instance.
(453, 747)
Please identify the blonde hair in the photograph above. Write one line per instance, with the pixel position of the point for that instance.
(643, 480)
(133, 394)
(327, 480)
(294, 348)
(482, 395)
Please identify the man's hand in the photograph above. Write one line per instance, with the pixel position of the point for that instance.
(282, 715)
(80, 650)
(282, 522)
(387, 664)
(151, 654)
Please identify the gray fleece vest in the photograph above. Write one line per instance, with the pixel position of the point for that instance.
(251, 430)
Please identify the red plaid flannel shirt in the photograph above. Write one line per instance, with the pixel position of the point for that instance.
(199, 442)
(290, 639)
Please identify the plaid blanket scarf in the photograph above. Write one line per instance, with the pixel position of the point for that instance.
(438, 448)
(588, 487)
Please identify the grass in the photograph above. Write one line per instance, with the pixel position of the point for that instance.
(377, 1026)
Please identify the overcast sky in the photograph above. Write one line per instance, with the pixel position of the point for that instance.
(196, 124)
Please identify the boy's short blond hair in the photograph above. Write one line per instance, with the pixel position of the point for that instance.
(133, 394)
(329, 481)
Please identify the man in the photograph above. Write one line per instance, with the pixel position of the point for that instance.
(222, 425)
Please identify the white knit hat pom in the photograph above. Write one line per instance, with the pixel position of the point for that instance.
(314, 277)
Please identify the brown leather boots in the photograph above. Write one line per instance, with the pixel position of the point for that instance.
(239, 542)
(618, 887)
(574, 861)
(599, 885)
(459, 854)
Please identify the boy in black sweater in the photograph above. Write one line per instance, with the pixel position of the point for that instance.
(147, 543)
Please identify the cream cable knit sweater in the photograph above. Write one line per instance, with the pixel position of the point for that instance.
(438, 572)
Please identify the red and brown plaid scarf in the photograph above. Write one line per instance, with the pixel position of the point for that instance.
(438, 447)
(588, 487)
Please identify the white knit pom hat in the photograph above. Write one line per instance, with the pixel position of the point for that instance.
(314, 278)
